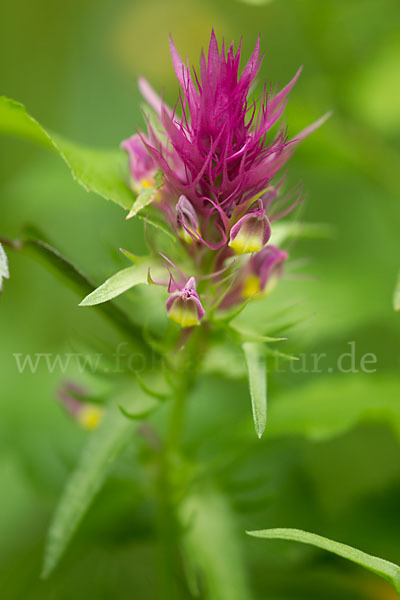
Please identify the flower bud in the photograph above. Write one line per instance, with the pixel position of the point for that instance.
(251, 232)
(184, 306)
(187, 220)
(142, 164)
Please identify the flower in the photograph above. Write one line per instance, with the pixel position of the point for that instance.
(184, 306)
(264, 269)
(219, 153)
(219, 160)
(142, 164)
(87, 414)
(250, 233)
(258, 276)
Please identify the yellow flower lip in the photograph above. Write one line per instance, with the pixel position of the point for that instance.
(250, 233)
(251, 286)
(90, 416)
(246, 244)
(184, 306)
(184, 313)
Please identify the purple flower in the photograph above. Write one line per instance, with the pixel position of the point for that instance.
(258, 276)
(219, 153)
(141, 163)
(73, 398)
(220, 139)
(266, 265)
(184, 306)
(251, 232)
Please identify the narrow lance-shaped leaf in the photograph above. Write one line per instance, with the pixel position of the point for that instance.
(396, 297)
(88, 477)
(99, 171)
(84, 483)
(4, 272)
(384, 568)
(257, 370)
(146, 195)
(117, 284)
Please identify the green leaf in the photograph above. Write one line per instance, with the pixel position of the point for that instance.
(138, 416)
(161, 396)
(206, 516)
(384, 568)
(4, 272)
(159, 179)
(88, 477)
(117, 284)
(84, 483)
(396, 297)
(131, 256)
(257, 370)
(99, 171)
(283, 232)
(278, 354)
(145, 197)
(247, 335)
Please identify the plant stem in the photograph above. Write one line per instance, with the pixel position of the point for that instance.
(169, 469)
(188, 373)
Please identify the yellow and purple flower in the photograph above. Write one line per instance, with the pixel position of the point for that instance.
(184, 306)
(251, 232)
(74, 399)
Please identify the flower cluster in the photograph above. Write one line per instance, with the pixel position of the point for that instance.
(219, 160)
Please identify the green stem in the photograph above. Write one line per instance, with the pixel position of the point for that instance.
(176, 420)
(168, 470)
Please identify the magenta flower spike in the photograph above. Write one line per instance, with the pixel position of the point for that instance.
(219, 161)
(184, 306)
(220, 140)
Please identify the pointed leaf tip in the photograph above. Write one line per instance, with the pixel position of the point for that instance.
(257, 371)
(117, 284)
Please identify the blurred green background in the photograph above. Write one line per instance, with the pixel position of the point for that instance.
(74, 64)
